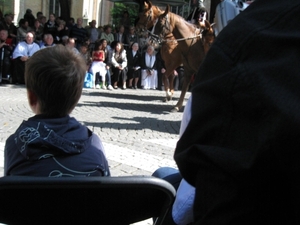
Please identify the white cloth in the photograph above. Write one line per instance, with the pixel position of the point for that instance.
(133, 53)
(149, 81)
(24, 49)
(182, 211)
(98, 66)
(149, 60)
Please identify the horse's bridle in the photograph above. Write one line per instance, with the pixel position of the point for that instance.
(149, 18)
(166, 27)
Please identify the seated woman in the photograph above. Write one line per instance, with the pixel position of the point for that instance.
(134, 65)
(98, 66)
(119, 65)
(107, 61)
(149, 69)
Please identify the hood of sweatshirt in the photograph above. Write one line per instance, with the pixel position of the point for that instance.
(60, 136)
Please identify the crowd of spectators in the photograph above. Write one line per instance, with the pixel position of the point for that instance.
(125, 57)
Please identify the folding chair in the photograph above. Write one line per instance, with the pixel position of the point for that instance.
(83, 200)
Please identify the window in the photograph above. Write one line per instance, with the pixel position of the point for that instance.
(54, 7)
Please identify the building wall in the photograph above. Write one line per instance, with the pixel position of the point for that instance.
(104, 13)
(77, 9)
(20, 7)
(98, 10)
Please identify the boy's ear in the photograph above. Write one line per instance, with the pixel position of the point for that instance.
(33, 101)
(32, 98)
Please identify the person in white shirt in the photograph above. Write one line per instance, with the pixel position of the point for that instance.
(47, 41)
(23, 51)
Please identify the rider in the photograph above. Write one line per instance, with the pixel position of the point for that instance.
(199, 14)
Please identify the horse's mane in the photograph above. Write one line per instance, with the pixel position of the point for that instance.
(182, 20)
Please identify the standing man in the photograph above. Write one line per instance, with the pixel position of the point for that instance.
(79, 33)
(132, 37)
(121, 37)
(5, 55)
(94, 34)
(29, 17)
(107, 35)
(10, 27)
(199, 13)
(51, 26)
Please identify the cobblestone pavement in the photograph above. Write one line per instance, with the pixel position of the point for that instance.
(138, 131)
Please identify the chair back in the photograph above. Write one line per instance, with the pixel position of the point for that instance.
(83, 200)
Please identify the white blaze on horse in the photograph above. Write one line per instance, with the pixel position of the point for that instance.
(182, 42)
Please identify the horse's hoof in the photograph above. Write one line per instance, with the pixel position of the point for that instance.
(175, 109)
(165, 100)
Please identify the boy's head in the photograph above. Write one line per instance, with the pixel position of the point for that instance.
(84, 48)
(54, 80)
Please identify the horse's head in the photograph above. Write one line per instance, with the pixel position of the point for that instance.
(147, 16)
(162, 27)
(208, 36)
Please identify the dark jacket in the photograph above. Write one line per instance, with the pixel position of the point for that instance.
(133, 61)
(54, 148)
(30, 18)
(51, 29)
(241, 147)
(5, 61)
(123, 40)
(12, 29)
(80, 34)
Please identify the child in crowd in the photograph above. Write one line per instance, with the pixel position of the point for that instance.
(98, 65)
(52, 143)
(84, 52)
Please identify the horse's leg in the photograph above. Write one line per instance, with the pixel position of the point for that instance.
(171, 82)
(166, 86)
(185, 87)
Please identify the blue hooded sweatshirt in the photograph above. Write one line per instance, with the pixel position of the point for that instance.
(54, 147)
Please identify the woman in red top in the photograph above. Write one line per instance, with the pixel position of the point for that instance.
(98, 66)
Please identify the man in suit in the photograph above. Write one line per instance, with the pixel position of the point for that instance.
(121, 37)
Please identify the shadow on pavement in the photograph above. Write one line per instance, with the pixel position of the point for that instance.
(142, 123)
(139, 95)
(140, 107)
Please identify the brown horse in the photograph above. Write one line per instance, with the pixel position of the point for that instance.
(168, 50)
(172, 53)
(193, 43)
